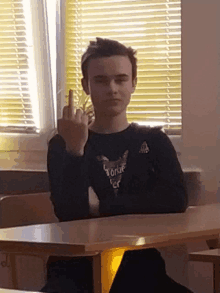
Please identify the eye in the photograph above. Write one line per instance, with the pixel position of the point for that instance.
(120, 80)
(101, 80)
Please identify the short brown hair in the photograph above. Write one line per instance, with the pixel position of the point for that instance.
(107, 48)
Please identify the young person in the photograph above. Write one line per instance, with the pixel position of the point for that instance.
(132, 169)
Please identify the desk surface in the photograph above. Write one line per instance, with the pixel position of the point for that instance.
(15, 291)
(95, 235)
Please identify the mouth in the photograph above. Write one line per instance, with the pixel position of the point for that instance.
(113, 100)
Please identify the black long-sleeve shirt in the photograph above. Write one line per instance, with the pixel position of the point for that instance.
(132, 171)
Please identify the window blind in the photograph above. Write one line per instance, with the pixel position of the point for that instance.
(16, 105)
(153, 28)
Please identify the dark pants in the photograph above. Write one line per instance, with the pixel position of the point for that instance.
(139, 271)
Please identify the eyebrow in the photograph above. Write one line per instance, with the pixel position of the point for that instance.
(118, 75)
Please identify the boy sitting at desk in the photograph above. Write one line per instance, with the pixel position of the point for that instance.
(132, 169)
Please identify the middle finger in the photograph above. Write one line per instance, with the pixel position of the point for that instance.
(71, 105)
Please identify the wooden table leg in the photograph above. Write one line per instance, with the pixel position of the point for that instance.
(13, 270)
(216, 277)
(97, 269)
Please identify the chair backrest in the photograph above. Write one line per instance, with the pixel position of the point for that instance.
(26, 209)
(193, 186)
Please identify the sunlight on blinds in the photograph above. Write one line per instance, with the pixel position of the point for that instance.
(19, 109)
(153, 28)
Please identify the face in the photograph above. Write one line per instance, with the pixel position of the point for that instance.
(110, 84)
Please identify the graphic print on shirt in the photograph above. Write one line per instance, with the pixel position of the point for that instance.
(144, 148)
(114, 169)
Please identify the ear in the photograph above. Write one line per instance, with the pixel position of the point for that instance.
(85, 86)
(134, 83)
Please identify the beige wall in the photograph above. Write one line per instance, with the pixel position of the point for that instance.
(200, 90)
(201, 111)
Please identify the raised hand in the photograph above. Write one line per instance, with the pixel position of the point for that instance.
(73, 127)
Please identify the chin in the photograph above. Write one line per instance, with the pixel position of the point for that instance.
(112, 112)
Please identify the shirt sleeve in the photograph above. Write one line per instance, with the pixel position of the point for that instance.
(169, 194)
(68, 182)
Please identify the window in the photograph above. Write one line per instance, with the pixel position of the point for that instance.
(19, 106)
(153, 28)
(26, 99)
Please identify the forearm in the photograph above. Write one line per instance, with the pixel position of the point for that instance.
(73, 201)
(68, 182)
(166, 199)
(162, 199)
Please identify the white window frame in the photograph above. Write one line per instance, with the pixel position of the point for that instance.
(60, 46)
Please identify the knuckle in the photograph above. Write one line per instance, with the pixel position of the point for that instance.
(79, 111)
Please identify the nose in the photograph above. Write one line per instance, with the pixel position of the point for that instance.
(113, 88)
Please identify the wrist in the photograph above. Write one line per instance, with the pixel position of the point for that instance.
(76, 153)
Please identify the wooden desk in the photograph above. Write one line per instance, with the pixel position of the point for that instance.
(15, 291)
(98, 236)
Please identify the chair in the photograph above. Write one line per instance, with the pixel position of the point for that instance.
(21, 210)
(30, 209)
(211, 256)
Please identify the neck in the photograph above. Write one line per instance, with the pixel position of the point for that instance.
(109, 124)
